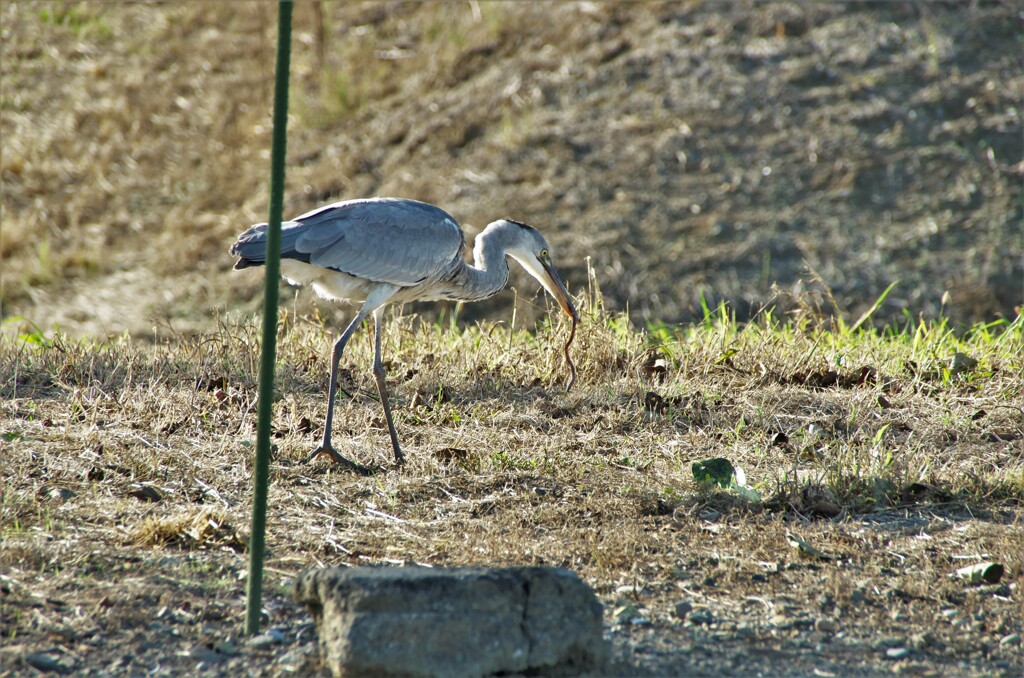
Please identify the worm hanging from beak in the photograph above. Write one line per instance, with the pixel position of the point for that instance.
(572, 367)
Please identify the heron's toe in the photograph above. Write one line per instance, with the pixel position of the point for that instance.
(343, 462)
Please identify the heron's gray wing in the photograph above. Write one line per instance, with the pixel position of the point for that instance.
(402, 242)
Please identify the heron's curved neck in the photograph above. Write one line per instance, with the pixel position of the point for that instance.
(489, 272)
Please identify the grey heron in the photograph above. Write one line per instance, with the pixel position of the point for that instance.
(380, 251)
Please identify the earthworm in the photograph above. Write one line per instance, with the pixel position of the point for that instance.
(572, 367)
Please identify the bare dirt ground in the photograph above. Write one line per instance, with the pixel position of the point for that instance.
(127, 475)
(806, 153)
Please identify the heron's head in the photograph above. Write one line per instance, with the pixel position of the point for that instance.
(531, 250)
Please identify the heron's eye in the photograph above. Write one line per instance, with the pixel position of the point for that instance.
(543, 254)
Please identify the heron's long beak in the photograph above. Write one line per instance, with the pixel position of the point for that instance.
(553, 284)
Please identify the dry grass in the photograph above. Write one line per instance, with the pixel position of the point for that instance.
(122, 456)
(687, 148)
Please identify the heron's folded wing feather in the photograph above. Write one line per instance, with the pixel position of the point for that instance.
(402, 242)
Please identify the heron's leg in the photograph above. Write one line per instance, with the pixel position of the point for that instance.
(378, 373)
(339, 348)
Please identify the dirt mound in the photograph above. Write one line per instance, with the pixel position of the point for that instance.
(694, 152)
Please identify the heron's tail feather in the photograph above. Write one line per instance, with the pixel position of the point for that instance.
(251, 246)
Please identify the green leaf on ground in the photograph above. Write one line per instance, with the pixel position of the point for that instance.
(718, 471)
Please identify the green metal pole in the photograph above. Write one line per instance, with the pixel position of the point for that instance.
(261, 478)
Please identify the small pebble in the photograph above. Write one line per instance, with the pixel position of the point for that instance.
(1012, 639)
(888, 643)
(61, 493)
(226, 647)
(897, 653)
(825, 626)
(682, 609)
(45, 662)
(702, 617)
(265, 640)
(207, 656)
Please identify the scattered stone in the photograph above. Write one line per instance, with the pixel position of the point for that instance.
(896, 653)
(784, 623)
(888, 642)
(227, 647)
(423, 622)
(206, 655)
(682, 609)
(950, 613)
(702, 618)
(144, 492)
(60, 493)
(825, 626)
(710, 515)
(1002, 590)
(44, 662)
(296, 660)
(265, 640)
(305, 632)
(961, 362)
(858, 595)
(1012, 639)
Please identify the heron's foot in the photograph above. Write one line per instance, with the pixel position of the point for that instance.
(345, 464)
